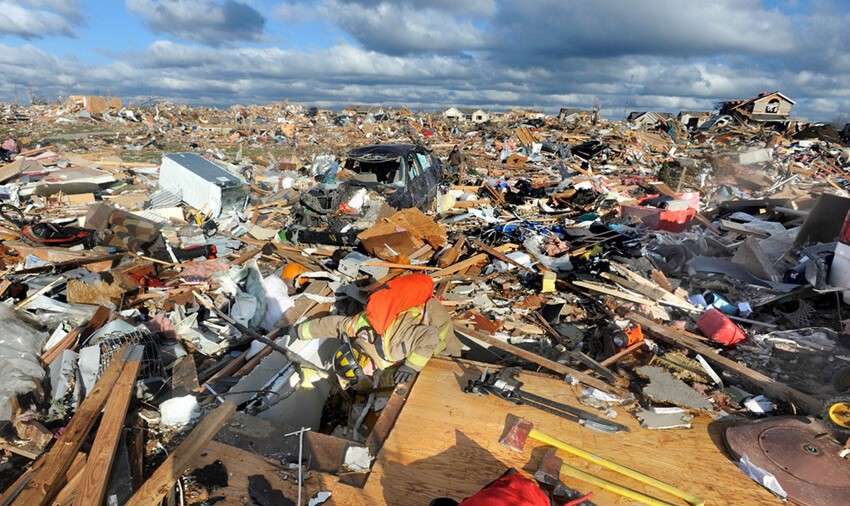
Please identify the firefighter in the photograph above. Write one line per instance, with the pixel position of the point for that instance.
(408, 339)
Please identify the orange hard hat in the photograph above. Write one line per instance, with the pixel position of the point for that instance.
(292, 271)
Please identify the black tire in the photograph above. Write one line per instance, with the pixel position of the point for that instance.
(841, 379)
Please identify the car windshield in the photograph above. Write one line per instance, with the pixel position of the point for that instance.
(382, 172)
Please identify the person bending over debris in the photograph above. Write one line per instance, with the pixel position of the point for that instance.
(403, 325)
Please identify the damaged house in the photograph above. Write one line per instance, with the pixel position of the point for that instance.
(764, 108)
(649, 119)
(693, 119)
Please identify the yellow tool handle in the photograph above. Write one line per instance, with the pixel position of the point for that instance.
(611, 486)
(625, 471)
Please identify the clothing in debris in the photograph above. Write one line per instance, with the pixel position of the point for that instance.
(413, 337)
(511, 489)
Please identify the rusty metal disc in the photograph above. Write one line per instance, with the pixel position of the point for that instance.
(800, 452)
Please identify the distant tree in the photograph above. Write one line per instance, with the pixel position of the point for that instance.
(36, 99)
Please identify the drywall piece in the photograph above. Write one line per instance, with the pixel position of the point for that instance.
(752, 257)
(755, 156)
(179, 411)
(357, 459)
(319, 498)
(651, 419)
(258, 379)
(664, 387)
(89, 368)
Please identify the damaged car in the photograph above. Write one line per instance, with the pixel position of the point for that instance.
(372, 179)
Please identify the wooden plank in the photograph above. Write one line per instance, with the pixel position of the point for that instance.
(12, 490)
(101, 315)
(731, 226)
(229, 369)
(599, 288)
(769, 386)
(391, 265)
(71, 264)
(41, 291)
(498, 254)
(161, 481)
(248, 255)
(465, 204)
(92, 489)
(44, 484)
(542, 361)
(469, 262)
(66, 496)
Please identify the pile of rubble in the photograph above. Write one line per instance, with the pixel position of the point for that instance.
(157, 258)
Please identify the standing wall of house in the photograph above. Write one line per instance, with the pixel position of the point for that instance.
(772, 105)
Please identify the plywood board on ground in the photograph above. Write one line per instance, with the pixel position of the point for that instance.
(446, 443)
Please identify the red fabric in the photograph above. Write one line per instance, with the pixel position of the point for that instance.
(511, 490)
(389, 299)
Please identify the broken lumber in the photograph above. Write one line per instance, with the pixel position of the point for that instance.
(469, 262)
(92, 489)
(158, 485)
(768, 385)
(45, 483)
(541, 361)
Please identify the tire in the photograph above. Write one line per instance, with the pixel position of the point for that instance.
(841, 379)
(836, 413)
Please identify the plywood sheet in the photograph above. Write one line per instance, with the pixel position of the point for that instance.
(446, 443)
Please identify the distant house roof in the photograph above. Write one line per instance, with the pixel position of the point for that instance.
(694, 113)
(659, 115)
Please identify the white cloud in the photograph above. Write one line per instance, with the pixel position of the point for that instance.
(204, 21)
(496, 55)
(37, 19)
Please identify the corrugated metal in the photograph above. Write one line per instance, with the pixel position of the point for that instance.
(166, 197)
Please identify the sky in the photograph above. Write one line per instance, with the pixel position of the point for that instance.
(630, 55)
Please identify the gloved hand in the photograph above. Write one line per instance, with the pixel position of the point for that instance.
(403, 374)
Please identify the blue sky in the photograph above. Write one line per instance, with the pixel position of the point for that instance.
(428, 54)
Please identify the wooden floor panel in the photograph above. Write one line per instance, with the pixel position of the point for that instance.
(446, 443)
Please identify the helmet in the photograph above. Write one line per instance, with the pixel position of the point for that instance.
(292, 271)
(349, 361)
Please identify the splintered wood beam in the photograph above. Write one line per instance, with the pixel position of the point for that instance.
(95, 478)
(768, 385)
(501, 256)
(542, 361)
(453, 253)
(469, 262)
(159, 484)
(45, 483)
(101, 315)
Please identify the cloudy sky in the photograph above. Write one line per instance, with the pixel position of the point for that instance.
(664, 55)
